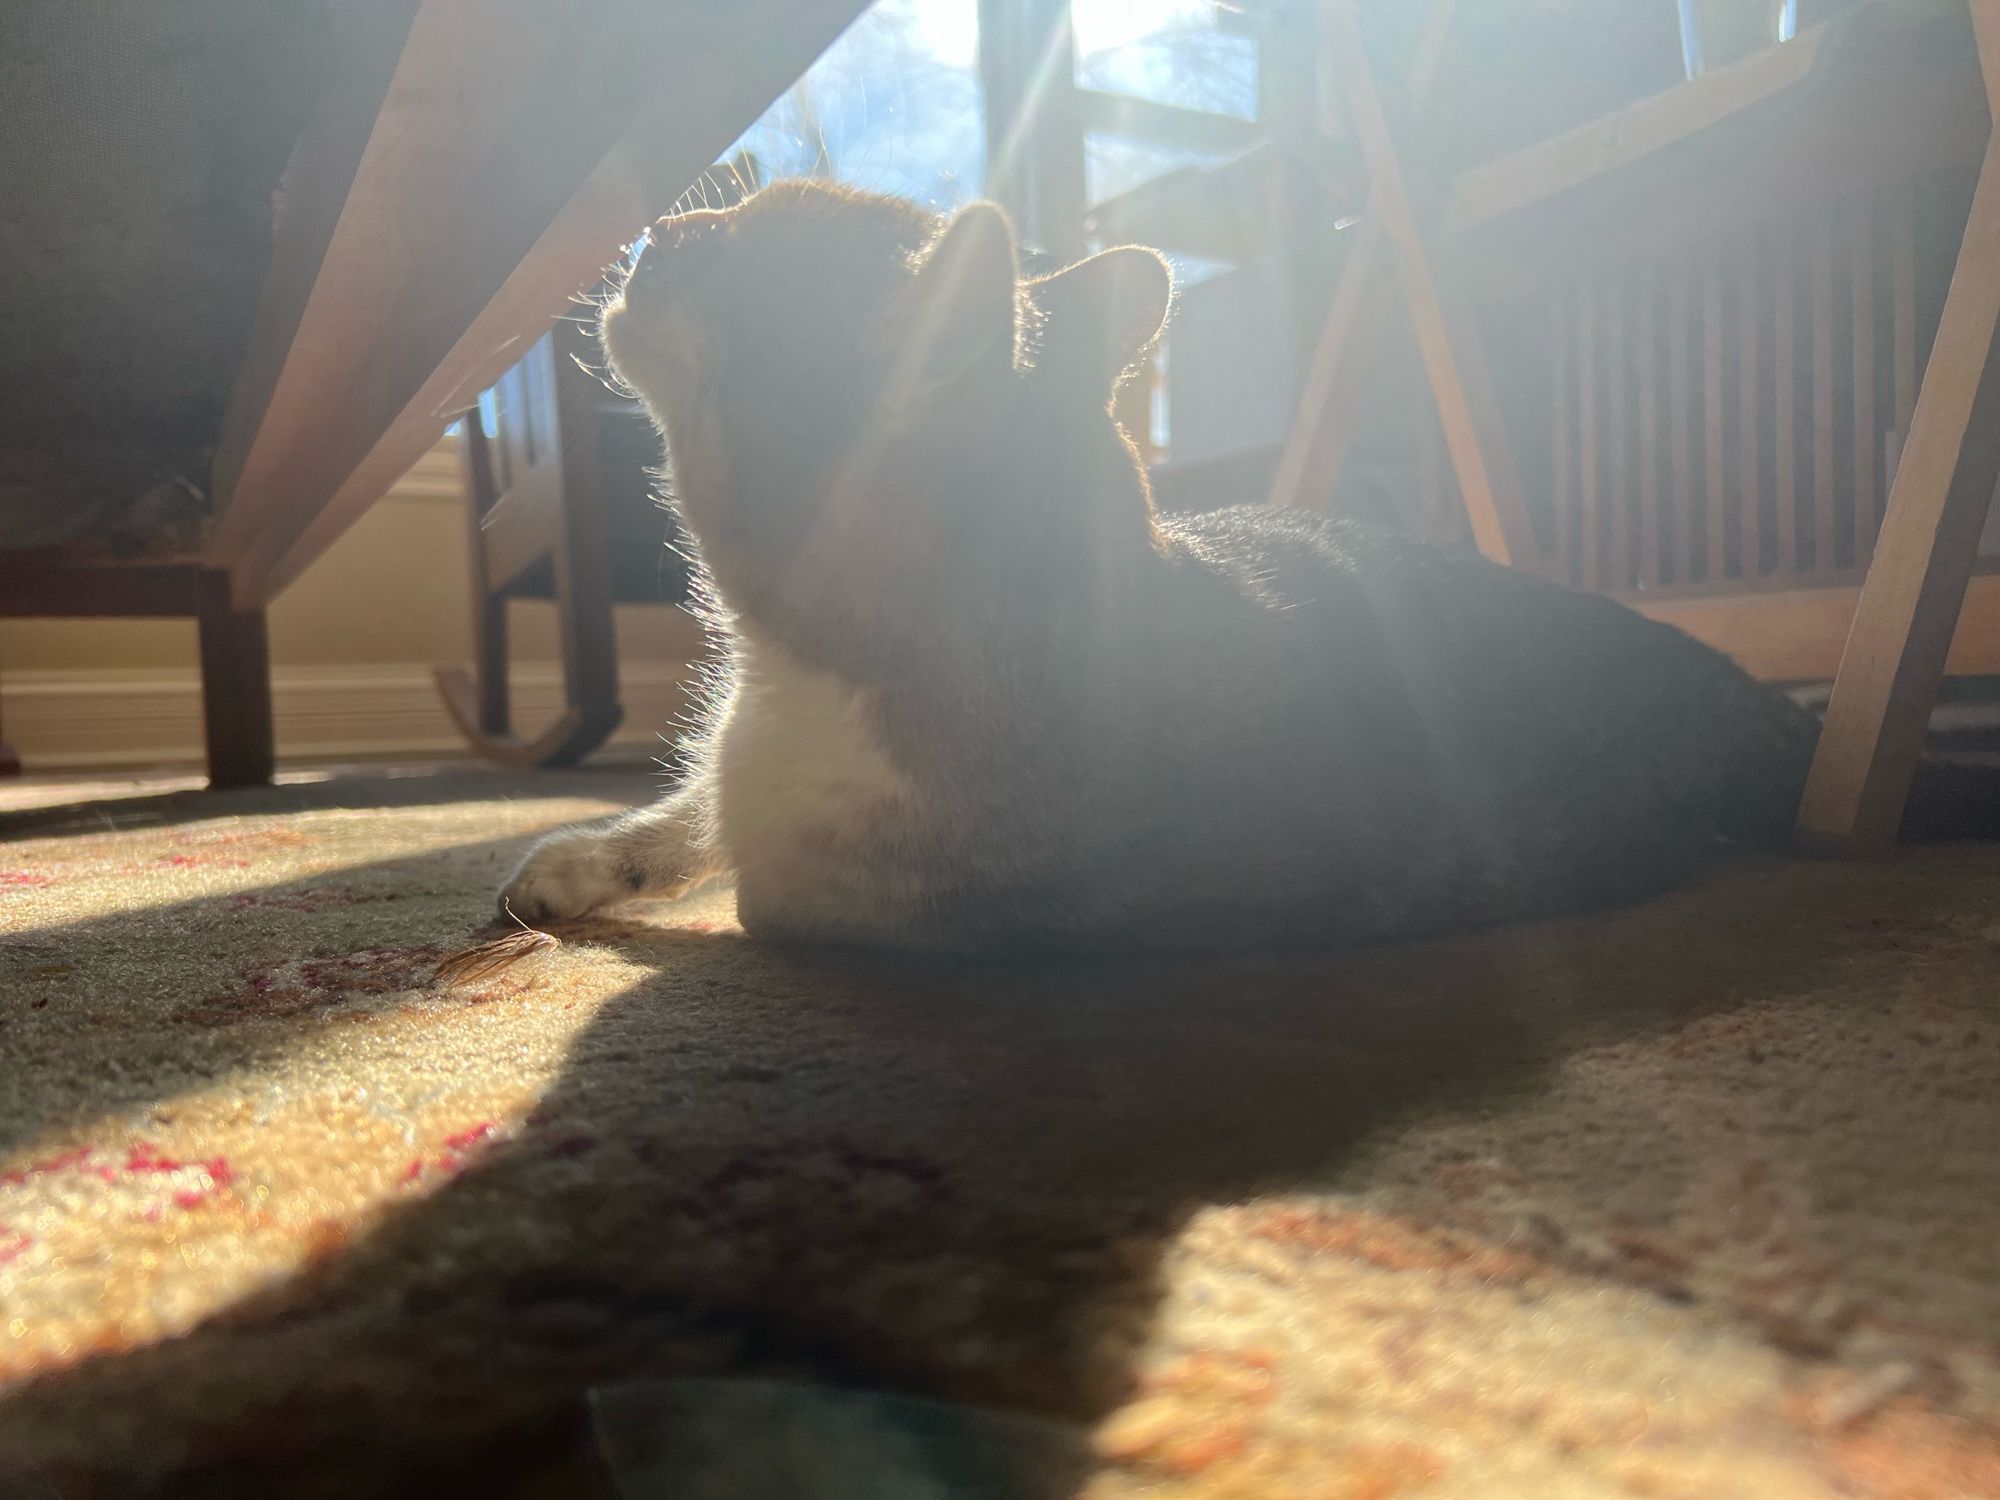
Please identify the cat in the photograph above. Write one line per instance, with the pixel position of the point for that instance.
(977, 695)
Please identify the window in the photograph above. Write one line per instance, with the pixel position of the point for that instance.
(1166, 52)
(893, 105)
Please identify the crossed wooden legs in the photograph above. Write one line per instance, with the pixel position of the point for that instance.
(1446, 337)
(1910, 602)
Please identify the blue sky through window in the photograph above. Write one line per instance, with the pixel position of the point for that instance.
(893, 105)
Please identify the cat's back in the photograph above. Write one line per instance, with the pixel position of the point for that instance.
(1418, 735)
(1439, 622)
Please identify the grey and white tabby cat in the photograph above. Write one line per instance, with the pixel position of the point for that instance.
(981, 696)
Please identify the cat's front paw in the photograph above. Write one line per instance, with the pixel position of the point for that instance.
(567, 875)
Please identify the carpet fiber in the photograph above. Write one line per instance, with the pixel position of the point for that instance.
(1699, 1199)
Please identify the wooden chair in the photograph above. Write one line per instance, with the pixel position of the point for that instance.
(560, 507)
(1916, 587)
(1734, 293)
(1262, 207)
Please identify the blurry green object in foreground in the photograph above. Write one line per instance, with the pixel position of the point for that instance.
(778, 1440)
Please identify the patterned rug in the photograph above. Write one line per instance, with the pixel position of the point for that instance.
(1700, 1199)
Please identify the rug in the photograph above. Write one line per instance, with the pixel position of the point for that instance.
(1697, 1199)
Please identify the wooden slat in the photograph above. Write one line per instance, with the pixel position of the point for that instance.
(570, 444)
(1825, 558)
(1716, 491)
(1617, 388)
(1855, 99)
(1562, 442)
(1611, 145)
(1647, 351)
(1749, 437)
(1446, 335)
(1784, 396)
(1680, 434)
(1867, 449)
(492, 708)
(518, 144)
(1903, 298)
(1986, 40)
(1589, 511)
(1910, 605)
(1431, 43)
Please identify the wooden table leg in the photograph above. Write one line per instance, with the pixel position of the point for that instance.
(235, 688)
(1895, 655)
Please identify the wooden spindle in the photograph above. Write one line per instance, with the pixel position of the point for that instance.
(1903, 298)
(1618, 485)
(1861, 285)
(1680, 436)
(1588, 573)
(1824, 560)
(1784, 398)
(1749, 443)
(1717, 491)
(1562, 441)
(1647, 350)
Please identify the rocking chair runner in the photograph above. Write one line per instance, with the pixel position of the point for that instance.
(560, 507)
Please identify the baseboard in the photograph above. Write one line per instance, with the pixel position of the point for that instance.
(100, 719)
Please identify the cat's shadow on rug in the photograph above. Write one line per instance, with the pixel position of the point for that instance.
(954, 1179)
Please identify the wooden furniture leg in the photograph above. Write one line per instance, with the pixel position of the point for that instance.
(235, 688)
(583, 562)
(487, 697)
(1343, 358)
(1910, 602)
(1480, 454)
(10, 763)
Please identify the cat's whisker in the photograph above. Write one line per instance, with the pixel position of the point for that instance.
(607, 377)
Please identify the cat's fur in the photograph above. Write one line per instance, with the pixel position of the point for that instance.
(979, 695)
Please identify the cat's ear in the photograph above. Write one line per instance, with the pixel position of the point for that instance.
(966, 289)
(1103, 314)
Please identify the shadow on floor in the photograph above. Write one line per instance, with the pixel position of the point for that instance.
(346, 787)
(945, 1179)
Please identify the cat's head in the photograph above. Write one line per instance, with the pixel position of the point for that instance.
(870, 412)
